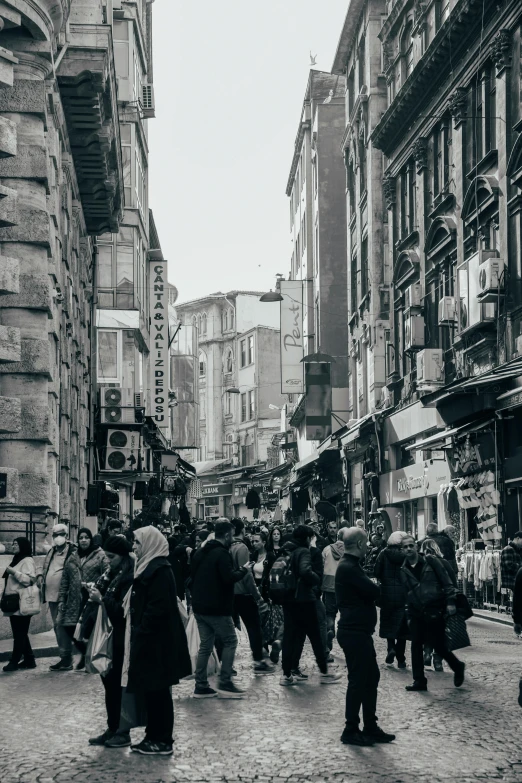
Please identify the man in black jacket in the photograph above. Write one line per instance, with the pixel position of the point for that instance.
(300, 613)
(356, 596)
(213, 579)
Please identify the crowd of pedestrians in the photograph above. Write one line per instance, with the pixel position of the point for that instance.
(280, 584)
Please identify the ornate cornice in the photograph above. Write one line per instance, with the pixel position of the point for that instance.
(389, 187)
(501, 50)
(420, 153)
(458, 106)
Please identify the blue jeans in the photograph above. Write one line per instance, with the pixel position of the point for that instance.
(209, 627)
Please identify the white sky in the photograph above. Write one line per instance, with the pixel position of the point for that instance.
(229, 81)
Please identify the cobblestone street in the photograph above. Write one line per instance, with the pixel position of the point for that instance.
(279, 734)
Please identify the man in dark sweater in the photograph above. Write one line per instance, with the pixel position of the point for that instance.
(356, 596)
(212, 587)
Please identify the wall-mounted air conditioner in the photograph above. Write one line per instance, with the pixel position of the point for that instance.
(147, 101)
(413, 297)
(430, 367)
(413, 332)
(447, 311)
(491, 279)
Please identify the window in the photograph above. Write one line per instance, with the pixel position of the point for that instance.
(406, 44)
(351, 89)
(202, 405)
(231, 320)
(408, 200)
(228, 363)
(202, 365)
(124, 277)
(109, 355)
(243, 407)
(204, 323)
(242, 347)
(116, 269)
(199, 324)
(228, 404)
(303, 231)
(361, 62)
(251, 405)
(483, 114)
(251, 349)
(224, 318)
(365, 281)
(442, 157)
(140, 181)
(353, 284)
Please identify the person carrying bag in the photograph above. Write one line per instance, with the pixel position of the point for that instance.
(20, 601)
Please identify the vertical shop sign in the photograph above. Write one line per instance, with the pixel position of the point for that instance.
(159, 339)
(318, 401)
(292, 339)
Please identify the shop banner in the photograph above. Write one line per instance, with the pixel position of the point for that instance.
(318, 401)
(292, 339)
(159, 344)
(216, 490)
(417, 481)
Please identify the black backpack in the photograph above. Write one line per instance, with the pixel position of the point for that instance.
(282, 580)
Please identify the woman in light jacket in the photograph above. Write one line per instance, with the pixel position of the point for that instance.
(93, 564)
(20, 573)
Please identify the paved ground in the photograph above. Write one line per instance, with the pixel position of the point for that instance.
(279, 735)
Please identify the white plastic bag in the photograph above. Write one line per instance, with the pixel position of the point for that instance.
(193, 641)
(98, 658)
(30, 602)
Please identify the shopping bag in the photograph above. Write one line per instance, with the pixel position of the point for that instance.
(133, 713)
(456, 632)
(30, 602)
(193, 641)
(98, 657)
(182, 612)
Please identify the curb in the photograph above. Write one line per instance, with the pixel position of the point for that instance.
(39, 652)
(493, 617)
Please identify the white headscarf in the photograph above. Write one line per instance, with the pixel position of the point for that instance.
(153, 544)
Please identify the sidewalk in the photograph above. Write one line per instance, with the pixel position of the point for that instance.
(43, 644)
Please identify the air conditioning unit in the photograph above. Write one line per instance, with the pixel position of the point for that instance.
(413, 333)
(118, 414)
(491, 279)
(147, 101)
(447, 311)
(430, 367)
(413, 297)
(138, 400)
(123, 450)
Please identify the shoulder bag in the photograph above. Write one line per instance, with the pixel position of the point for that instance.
(30, 602)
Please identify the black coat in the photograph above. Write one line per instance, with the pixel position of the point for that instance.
(387, 570)
(159, 655)
(213, 580)
(436, 588)
(113, 601)
(447, 547)
(307, 579)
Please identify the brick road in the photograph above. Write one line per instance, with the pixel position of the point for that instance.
(278, 735)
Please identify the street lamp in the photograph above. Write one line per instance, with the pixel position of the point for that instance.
(271, 296)
(232, 390)
(318, 358)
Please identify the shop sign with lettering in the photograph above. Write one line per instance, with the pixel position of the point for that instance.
(159, 343)
(416, 481)
(292, 338)
(217, 490)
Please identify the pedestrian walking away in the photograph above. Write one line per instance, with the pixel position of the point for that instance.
(19, 574)
(111, 592)
(332, 554)
(430, 585)
(212, 587)
(356, 596)
(393, 625)
(158, 656)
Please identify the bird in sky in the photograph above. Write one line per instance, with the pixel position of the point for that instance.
(313, 58)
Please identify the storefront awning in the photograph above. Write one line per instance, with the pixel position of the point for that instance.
(355, 431)
(208, 465)
(504, 372)
(441, 436)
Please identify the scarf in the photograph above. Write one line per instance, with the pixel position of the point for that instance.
(91, 548)
(24, 545)
(153, 545)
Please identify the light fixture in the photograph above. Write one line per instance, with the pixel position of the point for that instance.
(271, 296)
(233, 390)
(318, 358)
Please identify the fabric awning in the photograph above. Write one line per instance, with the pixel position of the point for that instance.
(355, 431)
(207, 466)
(440, 436)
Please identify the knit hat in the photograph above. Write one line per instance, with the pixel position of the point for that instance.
(118, 545)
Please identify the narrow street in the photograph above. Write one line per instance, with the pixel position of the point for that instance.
(279, 734)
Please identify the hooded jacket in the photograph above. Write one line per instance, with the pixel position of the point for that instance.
(307, 580)
(331, 557)
(388, 571)
(213, 579)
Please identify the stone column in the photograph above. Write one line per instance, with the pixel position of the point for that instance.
(25, 243)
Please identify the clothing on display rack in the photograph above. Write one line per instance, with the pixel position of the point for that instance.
(481, 567)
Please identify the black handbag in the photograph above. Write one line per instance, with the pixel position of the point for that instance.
(463, 607)
(456, 632)
(10, 603)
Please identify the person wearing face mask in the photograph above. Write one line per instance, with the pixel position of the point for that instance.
(158, 654)
(93, 563)
(50, 581)
(111, 589)
(20, 573)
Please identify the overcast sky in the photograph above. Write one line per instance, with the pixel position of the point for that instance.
(229, 81)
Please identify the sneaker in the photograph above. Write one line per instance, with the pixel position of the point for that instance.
(11, 667)
(80, 666)
(61, 666)
(390, 657)
(149, 748)
(401, 664)
(262, 667)
(437, 665)
(122, 740)
(417, 686)
(356, 738)
(287, 680)
(427, 659)
(101, 739)
(458, 677)
(204, 693)
(274, 652)
(229, 691)
(27, 663)
(298, 675)
(330, 679)
(376, 734)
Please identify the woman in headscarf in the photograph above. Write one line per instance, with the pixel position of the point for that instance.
(20, 573)
(111, 590)
(393, 626)
(159, 656)
(93, 563)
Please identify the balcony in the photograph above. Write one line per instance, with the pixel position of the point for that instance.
(86, 77)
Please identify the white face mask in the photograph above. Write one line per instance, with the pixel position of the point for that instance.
(59, 540)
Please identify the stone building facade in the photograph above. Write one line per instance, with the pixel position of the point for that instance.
(61, 184)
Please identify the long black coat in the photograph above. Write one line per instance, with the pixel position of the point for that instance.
(393, 594)
(159, 655)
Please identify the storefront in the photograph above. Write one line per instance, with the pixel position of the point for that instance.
(410, 496)
(215, 501)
